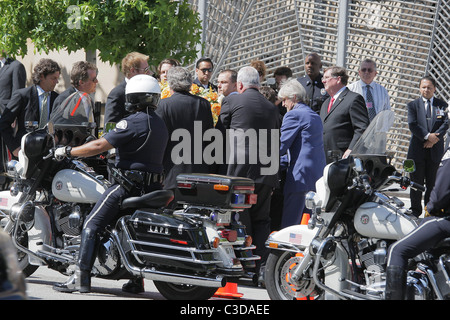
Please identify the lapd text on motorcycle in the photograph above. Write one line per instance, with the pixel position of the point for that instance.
(240, 147)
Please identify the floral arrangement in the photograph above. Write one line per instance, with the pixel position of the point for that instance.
(208, 94)
(211, 96)
(165, 90)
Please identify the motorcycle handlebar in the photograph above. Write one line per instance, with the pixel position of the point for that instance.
(406, 182)
(417, 186)
(50, 154)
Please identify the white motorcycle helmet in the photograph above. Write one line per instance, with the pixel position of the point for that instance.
(142, 91)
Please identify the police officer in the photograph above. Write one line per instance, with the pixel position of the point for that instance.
(432, 230)
(312, 82)
(140, 140)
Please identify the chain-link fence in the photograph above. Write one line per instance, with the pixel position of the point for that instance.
(407, 39)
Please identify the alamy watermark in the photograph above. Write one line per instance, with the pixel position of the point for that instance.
(74, 19)
(240, 147)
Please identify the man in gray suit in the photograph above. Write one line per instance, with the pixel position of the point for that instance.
(344, 115)
(250, 111)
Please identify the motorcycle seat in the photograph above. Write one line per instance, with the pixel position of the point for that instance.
(156, 199)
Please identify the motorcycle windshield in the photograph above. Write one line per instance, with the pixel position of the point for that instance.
(374, 139)
(77, 109)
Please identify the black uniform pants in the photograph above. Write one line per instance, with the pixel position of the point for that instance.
(427, 235)
(105, 210)
(257, 221)
(425, 174)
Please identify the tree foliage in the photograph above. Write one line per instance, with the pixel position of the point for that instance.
(158, 28)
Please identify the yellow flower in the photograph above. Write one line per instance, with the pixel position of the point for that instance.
(165, 89)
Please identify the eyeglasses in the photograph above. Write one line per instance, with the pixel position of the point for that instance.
(206, 70)
(147, 69)
(367, 70)
(328, 78)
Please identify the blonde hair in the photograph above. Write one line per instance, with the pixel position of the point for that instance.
(132, 60)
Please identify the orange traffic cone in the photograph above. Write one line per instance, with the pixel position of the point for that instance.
(305, 218)
(229, 291)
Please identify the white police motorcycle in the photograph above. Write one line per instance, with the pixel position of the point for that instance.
(341, 253)
(189, 253)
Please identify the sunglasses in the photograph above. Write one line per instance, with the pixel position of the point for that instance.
(206, 70)
(367, 70)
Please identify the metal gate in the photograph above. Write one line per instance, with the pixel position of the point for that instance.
(407, 39)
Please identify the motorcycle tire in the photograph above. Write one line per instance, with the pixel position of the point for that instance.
(172, 291)
(24, 264)
(277, 278)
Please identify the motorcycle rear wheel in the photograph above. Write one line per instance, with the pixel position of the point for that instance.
(277, 275)
(172, 291)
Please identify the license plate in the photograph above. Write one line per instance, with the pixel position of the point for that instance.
(223, 218)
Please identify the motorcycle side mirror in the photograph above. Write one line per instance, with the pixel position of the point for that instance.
(358, 165)
(409, 166)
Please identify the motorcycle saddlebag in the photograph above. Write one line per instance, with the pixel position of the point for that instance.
(161, 239)
(213, 190)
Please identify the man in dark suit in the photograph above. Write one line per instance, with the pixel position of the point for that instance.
(186, 112)
(312, 82)
(12, 77)
(204, 69)
(33, 103)
(246, 115)
(344, 115)
(83, 77)
(133, 64)
(428, 122)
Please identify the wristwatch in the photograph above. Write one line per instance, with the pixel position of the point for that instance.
(68, 150)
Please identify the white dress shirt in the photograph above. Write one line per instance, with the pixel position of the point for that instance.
(379, 93)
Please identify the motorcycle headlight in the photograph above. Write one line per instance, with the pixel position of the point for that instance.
(309, 200)
(14, 168)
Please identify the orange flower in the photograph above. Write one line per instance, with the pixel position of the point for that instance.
(165, 93)
(215, 108)
(165, 89)
(213, 96)
(195, 89)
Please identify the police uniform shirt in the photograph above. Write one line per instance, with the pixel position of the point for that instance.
(315, 92)
(130, 134)
(440, 195)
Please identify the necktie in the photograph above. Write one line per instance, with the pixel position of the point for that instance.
(369, 103)
(44, 111)
(330, 104)
(428, 107)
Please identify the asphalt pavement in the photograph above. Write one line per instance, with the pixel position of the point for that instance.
(39, 287)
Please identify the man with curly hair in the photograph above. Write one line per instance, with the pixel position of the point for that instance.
(33, 103)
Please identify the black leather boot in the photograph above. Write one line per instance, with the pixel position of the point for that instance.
(395, 283)
(81, 279)
(135, 285)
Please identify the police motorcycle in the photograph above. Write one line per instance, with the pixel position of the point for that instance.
(189, 253)
(341, 252)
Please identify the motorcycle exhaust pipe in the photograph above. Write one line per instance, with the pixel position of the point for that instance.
(155, 275)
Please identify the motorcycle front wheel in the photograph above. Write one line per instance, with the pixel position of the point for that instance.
(279, 285)
(24, 265)
(172, 291)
